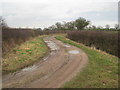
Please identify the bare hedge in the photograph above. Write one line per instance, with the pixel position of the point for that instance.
(103, 40)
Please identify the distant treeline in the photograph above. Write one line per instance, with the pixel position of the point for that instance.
(79, 24)
(103, 40)
(12, 37)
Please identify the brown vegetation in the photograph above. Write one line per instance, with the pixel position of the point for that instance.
(103, 40)
(12, 37)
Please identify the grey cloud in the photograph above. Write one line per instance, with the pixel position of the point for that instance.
(42, 13)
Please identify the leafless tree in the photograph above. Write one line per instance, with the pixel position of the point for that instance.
(3, 23)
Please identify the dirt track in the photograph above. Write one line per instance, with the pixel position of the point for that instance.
(52, 71)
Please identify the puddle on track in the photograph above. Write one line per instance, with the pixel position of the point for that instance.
(45, 58)
(52, 45)
(29, 68)
(67, 45)
(74, 52)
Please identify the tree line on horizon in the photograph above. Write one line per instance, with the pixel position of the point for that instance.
(78, 24)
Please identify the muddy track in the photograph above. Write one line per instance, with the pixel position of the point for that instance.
(62, 64)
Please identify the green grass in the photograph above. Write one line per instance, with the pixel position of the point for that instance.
(24, 55)
(100, 72)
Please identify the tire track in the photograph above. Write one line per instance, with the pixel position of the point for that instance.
(54, 70)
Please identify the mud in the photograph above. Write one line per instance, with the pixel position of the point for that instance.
(60, 66)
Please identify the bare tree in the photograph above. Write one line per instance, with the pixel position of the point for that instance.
(3, 23)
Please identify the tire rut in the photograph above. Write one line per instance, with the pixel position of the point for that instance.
(52, 71)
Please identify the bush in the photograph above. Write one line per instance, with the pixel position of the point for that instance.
(12, 36)
(103, 40)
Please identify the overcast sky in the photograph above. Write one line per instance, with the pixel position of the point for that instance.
(43, 13)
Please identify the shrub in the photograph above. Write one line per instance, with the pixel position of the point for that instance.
(13, 36)
(103, 40)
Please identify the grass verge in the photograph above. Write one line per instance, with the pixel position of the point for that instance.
(24, 55)
(100, 72)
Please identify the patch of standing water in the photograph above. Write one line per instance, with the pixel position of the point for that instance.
(29, 68)
(74, 52)
(52, 45)
(67, 45)
(45, 58)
